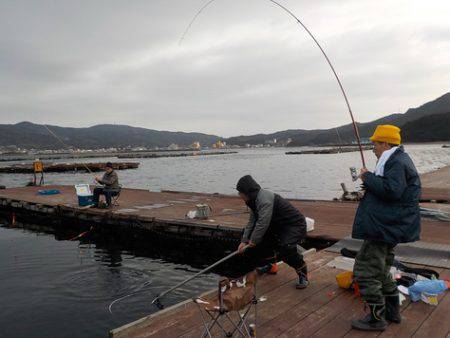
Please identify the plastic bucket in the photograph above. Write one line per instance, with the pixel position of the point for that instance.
(345, 279)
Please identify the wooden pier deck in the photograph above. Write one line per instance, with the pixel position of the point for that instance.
(165, 212)
(321, 310)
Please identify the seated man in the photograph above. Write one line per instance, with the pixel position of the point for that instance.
(110, 182)
(274, 229)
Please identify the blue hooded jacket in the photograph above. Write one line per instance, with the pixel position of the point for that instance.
(389, 211)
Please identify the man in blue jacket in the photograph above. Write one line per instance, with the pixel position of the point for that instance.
(387, 215)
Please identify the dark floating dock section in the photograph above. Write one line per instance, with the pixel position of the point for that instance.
(164, 212)
(337, 150)
(64, 167)
(175, 154)
(99, 154)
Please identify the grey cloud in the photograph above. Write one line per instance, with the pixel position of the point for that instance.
(245, 67)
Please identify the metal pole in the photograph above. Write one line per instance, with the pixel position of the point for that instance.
(194, 276)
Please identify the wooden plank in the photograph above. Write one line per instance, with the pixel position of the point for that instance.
(437, 178)
(438, 322)
(321, 310)
(340, 324)
(330, 321)
(290, 316)
(182, 319)
(414, 314)
(318, 318)
(285, 301)
(333, 219)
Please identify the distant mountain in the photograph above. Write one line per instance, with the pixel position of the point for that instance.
(29, 135)
(431, 128)
(429, 122)
(345, 133)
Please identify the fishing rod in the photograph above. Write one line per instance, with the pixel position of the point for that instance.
(157, 302)
(288, 11)
(66, 146)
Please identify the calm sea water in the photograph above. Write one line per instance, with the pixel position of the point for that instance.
(59, 288)
(299, 176)
(52, 287)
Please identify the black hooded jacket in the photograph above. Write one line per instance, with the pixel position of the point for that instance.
(271, 217)
(250, 188)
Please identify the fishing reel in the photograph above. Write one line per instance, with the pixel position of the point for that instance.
(354, 173)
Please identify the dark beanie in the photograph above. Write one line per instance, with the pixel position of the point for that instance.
(109, 165)
(247, 185)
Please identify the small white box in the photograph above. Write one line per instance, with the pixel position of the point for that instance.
(309, 224)
(83, 190)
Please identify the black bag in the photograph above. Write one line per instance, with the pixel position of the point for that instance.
(428, 273)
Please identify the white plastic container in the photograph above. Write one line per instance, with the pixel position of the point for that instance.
(309, 224)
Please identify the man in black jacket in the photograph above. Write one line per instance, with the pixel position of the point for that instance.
(388, 214)
(111, 187)
(274, 229)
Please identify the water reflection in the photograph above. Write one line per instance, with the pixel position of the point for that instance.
(61, 288)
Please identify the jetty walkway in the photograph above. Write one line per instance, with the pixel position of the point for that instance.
(165, 212)
(321, 310)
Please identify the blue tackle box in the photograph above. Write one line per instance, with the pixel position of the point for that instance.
(84, 201)
(84, 194)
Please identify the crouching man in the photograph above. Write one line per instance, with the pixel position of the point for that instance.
(274, 229)
(387, 215)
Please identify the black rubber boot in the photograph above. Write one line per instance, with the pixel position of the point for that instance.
(302, 282)
(302, 278)
(374, 321)
(392, 302)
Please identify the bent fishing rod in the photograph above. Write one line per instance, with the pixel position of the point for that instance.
(289, 12)
(157, 302)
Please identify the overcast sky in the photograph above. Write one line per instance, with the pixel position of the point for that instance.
(245, 67)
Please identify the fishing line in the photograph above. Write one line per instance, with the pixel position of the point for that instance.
(288, 11)
(128, 295)
(66, 146)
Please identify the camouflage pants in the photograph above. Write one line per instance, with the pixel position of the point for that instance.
(371, 271)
